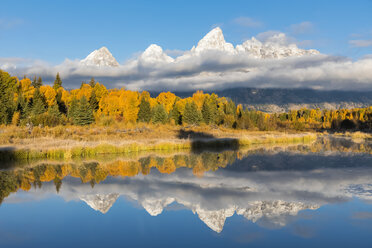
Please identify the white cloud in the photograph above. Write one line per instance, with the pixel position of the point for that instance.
(247, 22)
(361, 43)
(212, 70)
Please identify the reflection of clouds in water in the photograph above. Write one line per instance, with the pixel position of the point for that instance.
(270, 198)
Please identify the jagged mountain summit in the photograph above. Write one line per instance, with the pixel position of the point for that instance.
(155, 54)
(214, 40)
(101, 57)
(273, 48)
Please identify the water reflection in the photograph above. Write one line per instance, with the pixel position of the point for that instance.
(268, 186)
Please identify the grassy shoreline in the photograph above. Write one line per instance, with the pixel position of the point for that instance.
(87, 150)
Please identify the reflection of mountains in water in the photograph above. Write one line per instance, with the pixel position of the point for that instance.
(267, 186)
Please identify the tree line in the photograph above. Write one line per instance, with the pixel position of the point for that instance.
(30, 102)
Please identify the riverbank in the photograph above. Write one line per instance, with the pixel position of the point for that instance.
(19, 143)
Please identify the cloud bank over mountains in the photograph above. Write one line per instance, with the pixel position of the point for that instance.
(270, 60)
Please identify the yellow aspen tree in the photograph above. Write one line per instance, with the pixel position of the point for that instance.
(49, 94)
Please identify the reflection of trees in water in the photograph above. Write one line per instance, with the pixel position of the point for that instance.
(95, 172)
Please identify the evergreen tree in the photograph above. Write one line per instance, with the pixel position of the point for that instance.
(37, 83)
(160, 114)
(93, 101)
(72, 110)
(175, 114)
(54, 111)
(7, 90)
(57, 82)
(92, 82)
(191, 114)
(38, 103)
(84, 113)
(209, 110)
(34, 82)
(144, 113)
(21, 105)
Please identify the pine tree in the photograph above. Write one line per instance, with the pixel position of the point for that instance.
(175, 114)
(160, 114)
(72, 110)
(38, 103)
(34, 82)
(92, 82)
(144, 113)
(93, 101)
(57, 82)
(209, 110)
(54, 111)
(84, 113)
(7, 90)
(191, 114)
(37, 83)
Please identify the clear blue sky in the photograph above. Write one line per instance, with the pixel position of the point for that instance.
(55, 30)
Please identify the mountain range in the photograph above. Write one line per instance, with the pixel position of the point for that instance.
(274, 48)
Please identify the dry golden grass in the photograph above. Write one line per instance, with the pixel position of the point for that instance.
(74, 141)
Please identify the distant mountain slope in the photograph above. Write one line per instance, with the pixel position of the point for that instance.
(279, 100)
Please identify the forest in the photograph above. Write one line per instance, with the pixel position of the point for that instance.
(29, 102)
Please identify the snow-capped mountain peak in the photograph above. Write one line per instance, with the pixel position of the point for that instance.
(214, 40)
(100, 57)
(275, 47)
(155, 54)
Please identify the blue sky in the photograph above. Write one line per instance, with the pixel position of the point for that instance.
(54, 30)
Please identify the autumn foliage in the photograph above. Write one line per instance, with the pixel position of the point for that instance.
(26, 102)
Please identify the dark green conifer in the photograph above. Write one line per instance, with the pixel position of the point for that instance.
(144, 113)
(93, 101)
(159, 114)
(92, 82)
(57, 82)
(38, 103)
(7, 90)
(175, 114)
(73, 109)
(84, 113)
(191, 114)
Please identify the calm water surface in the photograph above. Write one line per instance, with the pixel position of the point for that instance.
(317, 195)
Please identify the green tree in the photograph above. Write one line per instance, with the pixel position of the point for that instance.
(37, 83)
(191, 114)
(159, 114)
(72, 110)
(175, 114)
(93, 103)
(84, 113)
(209, 111)
(144, 113)
(7, 90)
(92, 82)
(54, 111)
(57, 82)
(38, 103)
